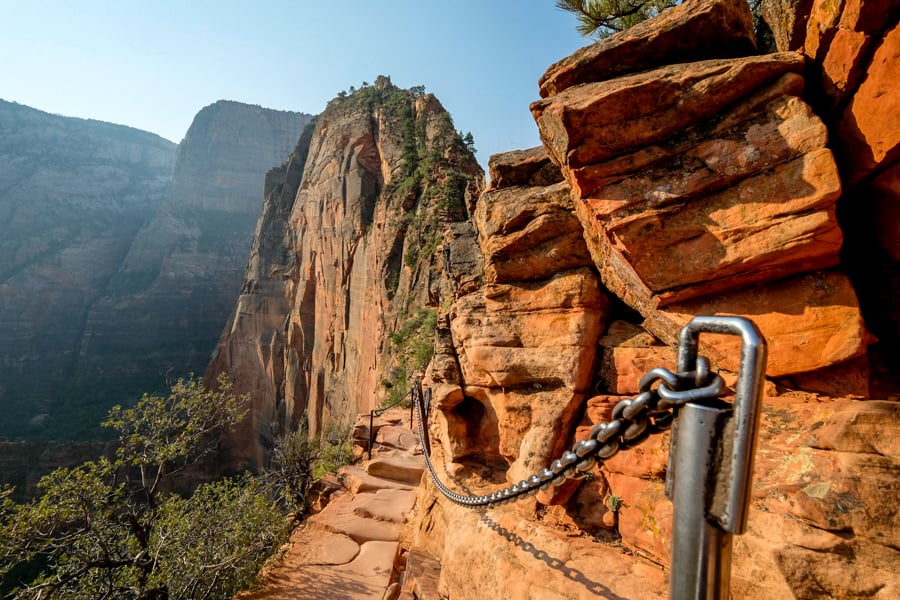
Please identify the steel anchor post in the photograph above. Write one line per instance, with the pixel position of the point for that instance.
(711, 465)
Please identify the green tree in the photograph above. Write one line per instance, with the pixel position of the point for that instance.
(298, 459)
(113, 528)
(602, 18)
(469, 140)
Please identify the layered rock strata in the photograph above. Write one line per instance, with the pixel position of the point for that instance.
(342, 257)
(744, 195)
(178, 282)
(853, 52)
(124, 256)
(73, 195)
(704, 187)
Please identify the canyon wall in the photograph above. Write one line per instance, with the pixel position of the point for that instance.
(123, 255)
(73, 195)
(339, 298)
(175, 287)
(680, 174)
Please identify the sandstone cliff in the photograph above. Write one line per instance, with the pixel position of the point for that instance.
(706, 186)
(681, 173)
(339, 298)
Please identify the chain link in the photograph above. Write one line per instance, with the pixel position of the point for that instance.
(661, 393)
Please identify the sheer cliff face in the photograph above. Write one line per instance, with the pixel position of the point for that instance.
(116, 273)
(344, 256)
(73, 194)
(177, 284)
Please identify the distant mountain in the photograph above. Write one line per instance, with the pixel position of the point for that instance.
(73, 194)
(123, 255)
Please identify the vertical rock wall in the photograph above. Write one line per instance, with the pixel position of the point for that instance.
(178, 282)
(73, 195)
(853, 52)
(343, 257)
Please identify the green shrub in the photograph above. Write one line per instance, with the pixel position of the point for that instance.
(114, 529)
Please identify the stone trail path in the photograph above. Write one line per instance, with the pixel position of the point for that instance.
(350, 548)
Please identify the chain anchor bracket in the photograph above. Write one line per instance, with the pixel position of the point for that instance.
(711, 464)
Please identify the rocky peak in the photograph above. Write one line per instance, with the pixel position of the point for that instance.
(118, 272)
(693, 178)
(228, 145)
(344, 255)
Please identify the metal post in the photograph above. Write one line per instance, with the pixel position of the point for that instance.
(701, 551)
(711, 466)
(426, 411)
(371, 432)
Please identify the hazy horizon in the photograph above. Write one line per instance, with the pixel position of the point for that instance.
(154, 67)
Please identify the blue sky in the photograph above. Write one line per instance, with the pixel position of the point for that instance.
(153, 64)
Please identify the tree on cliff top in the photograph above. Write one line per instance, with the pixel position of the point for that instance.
(602, 18)
(114, 529)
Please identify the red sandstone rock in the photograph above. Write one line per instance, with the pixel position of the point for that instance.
(529, 233)
(385, 505)
(848, 379)
(498, 554)
(810, 321)
(398, 437)
(327, 280)
(622, 334)
(529, 334)
(594, 122)
(622, 368)
(694, 30)
(645, 514)
(589, 508)
(843, 68)
(821, 518)
(422, 574)
(765, 213)
(822, 473)
(646, 460)
(397, 466)
(599, 408)
(869, 130)
(765, 227)
(763, 129)
(558, 495)
(827, 19)
(887, 210)
(821, 26)
(531, 425)
(530, 167)
(840, 38)
(357, 480)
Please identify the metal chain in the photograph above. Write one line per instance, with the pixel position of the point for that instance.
(633, 419)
